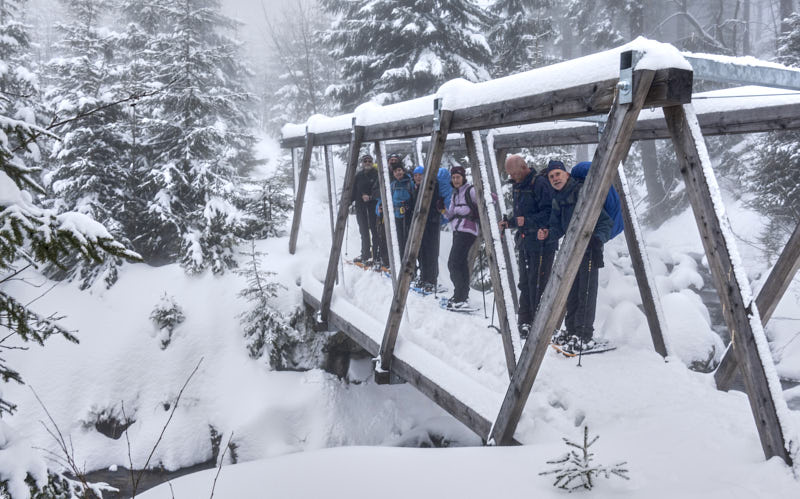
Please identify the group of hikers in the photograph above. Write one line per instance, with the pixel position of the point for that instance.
(543, 205)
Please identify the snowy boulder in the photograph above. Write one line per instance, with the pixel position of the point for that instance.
(689, 329)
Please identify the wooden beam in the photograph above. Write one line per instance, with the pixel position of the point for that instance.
(613, 146)
(429, 387)
(301, 192)
(387, 205)
(490, 234)
(767, 300)
(294, 172)
(741, 318)
(641, 265)
(508, 261)
(418, 222)
(341, 219)
(329, 177)
(670, 87)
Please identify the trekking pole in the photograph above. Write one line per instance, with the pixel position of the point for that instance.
(585, 304)
(483, 282)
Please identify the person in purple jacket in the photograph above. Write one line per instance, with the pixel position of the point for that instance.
(463, 216)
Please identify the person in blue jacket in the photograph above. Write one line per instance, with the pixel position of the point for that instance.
(532, 202)
(403, 199)
(582, 299)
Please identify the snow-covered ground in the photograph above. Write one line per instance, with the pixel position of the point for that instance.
(679, 435)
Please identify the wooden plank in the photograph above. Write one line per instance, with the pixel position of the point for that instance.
(670, 87)
(387, 204)
(341, 219)
(490, 234)
(301, 192)
(641, 265)
(294, 172)
(703, 193)
(613, 146)
(495, 184)
(730, 122)
(418, 222)
(427, 386)
(767, 300)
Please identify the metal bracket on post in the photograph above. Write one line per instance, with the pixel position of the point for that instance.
(601, 126)
(437, 114)
(627, 62)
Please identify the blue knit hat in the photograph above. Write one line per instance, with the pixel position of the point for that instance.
(419, 169)
(555, 164)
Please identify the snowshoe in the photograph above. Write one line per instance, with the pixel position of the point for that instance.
(454, 306)
(575, 346)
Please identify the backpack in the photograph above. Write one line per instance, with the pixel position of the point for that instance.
(612, 204)
(473, 208)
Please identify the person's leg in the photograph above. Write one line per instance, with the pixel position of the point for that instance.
(458, 264)
(424, 256)
(363, 228)
(542, 265)
(373, 228)
(585, 297)
(400, 227)
(524, 316)
(433, 252)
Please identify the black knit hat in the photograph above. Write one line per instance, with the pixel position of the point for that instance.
(366, 157)
(459, 170)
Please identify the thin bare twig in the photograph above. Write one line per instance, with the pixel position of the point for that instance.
(128, 443)
(219, 467)
(164, 429)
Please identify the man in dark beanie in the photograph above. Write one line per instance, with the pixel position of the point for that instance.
(365, 195)
(582, 299)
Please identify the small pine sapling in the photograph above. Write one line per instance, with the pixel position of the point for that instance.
(265, 328)
(576, 469)
(167, 315)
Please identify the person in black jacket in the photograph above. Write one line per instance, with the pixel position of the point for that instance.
(365, 195)
(582, 299)
(532, 201)
(429, 247)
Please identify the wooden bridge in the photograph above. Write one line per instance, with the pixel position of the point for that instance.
(641, 91)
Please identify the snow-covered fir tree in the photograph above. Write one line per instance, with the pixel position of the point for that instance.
(87, 174)
(519, 36)
(302, 69)
(393, 50)
(777, 194)
(201, 141)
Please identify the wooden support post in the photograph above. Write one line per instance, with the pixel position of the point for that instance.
(750, 342)
(357, 137)
(509, 260)
(613, 146)
(301, 192)
(768, 298)
(490, 233)
(294, 172)
(418, 157)
(425, 195)
(387, 205)
(641, 266)
(329, 177)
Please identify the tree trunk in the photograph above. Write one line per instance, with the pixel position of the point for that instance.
(746, 29)
(786, 9)
(653, 181)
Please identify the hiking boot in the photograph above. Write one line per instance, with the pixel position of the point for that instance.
(361, 259)
(560, 338)
(576, 344)
(458, 305)
(524, 330)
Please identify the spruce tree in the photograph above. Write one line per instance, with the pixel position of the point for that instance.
(520, 34)
(202, 139)
(777, 193)
(394, 50)
(86, 172)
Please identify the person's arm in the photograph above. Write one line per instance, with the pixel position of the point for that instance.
(543, 195)
(602, 230)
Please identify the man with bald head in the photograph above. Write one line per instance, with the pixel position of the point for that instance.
(532, 202)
